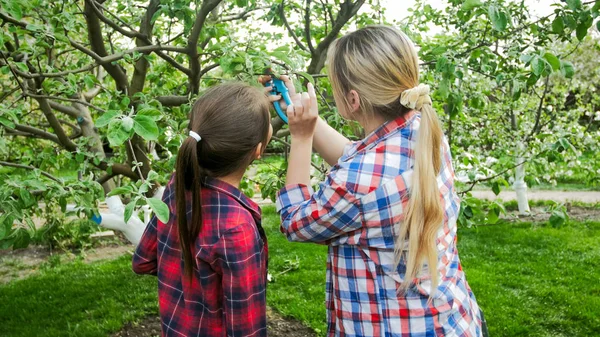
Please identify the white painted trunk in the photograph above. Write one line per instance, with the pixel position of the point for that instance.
(114, 218)
(519, 185)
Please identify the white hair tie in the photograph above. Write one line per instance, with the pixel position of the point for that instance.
(416, 97)
(195, 136)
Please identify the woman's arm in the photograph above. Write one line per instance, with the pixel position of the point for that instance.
(328, 142)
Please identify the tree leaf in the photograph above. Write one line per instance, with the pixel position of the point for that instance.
(22, 238)
(581, 31)
(537, 65)
(106, 118)
(160, 209)
(145, 127)
(150, 112)
(26, 197)
(558, 218)
(470, 4)
(498, 18)
(553, 60)
(7, 123)
(558, 25)
(120, 190)
(574, 4)
(116, 134)
(567, 69)
(496, 188)
(129, 210)
(306, 76)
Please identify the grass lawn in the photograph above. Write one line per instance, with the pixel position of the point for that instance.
(531, 280)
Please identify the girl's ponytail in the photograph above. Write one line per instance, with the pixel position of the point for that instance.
(424, 214)
(188, 178)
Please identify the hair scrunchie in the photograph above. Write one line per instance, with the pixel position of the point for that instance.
(416, 97)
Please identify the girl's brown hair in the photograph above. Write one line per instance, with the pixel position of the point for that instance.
(232, 120)
(380, 63)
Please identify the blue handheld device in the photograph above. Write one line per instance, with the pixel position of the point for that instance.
(279, 88)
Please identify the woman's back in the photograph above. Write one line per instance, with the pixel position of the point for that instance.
(365, 195)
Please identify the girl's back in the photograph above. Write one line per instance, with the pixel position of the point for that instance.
(230, 275)
(211, 256)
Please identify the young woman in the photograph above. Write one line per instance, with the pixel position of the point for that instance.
(388, 207)
(211, 256)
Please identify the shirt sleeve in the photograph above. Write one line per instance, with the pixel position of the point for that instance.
(238, 256)
(145, 257)
(318, 217)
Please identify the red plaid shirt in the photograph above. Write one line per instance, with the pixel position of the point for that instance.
(227, 295)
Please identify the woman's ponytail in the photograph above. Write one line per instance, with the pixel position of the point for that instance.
(424, 214)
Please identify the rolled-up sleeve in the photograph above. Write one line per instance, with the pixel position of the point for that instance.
(318, 216)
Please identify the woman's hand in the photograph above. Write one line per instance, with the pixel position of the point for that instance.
(303, 114)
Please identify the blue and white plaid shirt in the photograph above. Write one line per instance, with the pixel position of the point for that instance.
(357, 211)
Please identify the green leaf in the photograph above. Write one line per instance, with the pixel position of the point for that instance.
(145, 127)
(22, 239)
(493, 216)
(498, 18)
(22, 67)
(574, 4)
(470, 4)
(89, 81)
(567, 69)
(116, 134)
(306, 76)
(553, 60)
(537, 65)
(496, 188)
(581, 31)
(598, 24)
(151, 112)
(129, 210)
(27, 198)
(6, 122)
(558, 218)
(106, 118)
(558, 25)
(120, 190)
(160, 209)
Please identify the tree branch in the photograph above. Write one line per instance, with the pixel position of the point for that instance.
(307, 27)
(97, 42)
(44, 173)
(64, 109)
(289, 28)
(141, 65)
(38, 133)
(172, 100)
(242, 15)
(535, 130)
(63, 138)
(192, 47)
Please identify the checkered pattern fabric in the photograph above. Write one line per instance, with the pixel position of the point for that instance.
(227, 294)
(357, 211)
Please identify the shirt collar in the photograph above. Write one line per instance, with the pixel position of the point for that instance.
(382, 132)
(235, 193)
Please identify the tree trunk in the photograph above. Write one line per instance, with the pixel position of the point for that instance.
(520, 186)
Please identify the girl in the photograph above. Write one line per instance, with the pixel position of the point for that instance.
(388, 207)
(211, 256)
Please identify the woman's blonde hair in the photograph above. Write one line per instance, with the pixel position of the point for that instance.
(380, 63)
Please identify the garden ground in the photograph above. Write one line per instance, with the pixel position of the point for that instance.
(530, 278)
